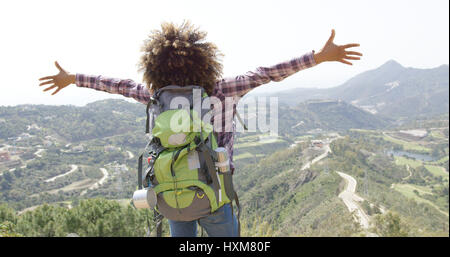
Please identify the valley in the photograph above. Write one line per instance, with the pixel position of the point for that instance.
(300, 162)
(339, 166)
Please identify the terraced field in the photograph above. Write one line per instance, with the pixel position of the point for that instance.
(407, 145)
(409, 190)
(399, 160)
(437, 171)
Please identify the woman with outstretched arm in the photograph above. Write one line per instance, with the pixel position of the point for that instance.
(177, 55)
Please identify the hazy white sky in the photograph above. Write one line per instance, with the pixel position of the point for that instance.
(104, 37)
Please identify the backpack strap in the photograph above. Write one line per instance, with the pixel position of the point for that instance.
(205, 154)
(232, 195)
(147, 123)
(140, 171)
(158, 220)
(153, 101)
(140, 184)
(156, 149)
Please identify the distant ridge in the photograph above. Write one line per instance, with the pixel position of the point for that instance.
(326, 115)
(391, 90)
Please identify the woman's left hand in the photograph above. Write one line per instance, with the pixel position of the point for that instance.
(339, 53)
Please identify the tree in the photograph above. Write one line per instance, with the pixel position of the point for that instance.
(7, 214)
(100, 217)
(92, 217)
(7, 229)
(390, 225)
(44, 221)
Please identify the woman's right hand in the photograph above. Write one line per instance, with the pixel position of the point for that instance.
(60, 80)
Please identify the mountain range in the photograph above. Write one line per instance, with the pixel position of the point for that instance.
(390, 91)
(61, 154)
(326, 115)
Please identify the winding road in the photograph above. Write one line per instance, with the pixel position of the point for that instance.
(410, 173)
(130, 155)
(318, 158)
(74, 168)
(348, 195)
(98, 183)
(351, 200)
(38, 152)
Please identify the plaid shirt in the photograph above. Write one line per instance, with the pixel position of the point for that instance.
(228, 87)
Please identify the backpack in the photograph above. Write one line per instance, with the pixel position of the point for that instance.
(187, 177)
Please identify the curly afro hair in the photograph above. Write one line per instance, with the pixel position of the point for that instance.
(178, 55)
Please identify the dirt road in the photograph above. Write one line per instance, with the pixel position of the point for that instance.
(130, 155)
(38, 152)
(98, 183)
(327, 150)
(410, 173)
(351, 200)
(318, 158)
(74, 168)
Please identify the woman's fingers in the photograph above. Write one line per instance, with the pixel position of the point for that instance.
(352, 58)
(353, 53)
(55, 80)
(350, 45)
(57, 90)
(346, 62)
(59, 67)
(333, 33)
(48, 77)
(46, 82)
(51, 87)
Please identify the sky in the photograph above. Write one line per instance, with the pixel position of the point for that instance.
(104, 38)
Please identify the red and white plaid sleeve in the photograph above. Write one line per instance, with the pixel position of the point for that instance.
(240, 85)
(125, 87)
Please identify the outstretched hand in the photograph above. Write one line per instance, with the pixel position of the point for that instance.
(332, 52)
(59, 81)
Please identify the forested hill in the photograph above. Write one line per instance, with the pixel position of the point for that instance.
(326, 115)
(55, 159)
(114, 117)
(74, 124)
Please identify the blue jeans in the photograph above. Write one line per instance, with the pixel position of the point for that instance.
(221, 223)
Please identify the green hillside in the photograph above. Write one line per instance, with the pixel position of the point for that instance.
(318, 116)
(61, 158)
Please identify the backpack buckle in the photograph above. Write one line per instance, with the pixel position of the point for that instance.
(149, 159)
